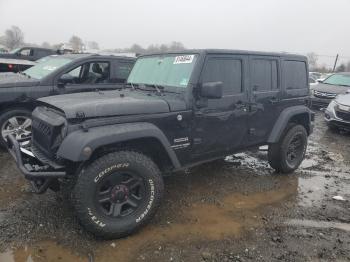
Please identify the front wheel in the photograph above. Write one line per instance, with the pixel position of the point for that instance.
(118, 194)
(16, 122)
(287, 155)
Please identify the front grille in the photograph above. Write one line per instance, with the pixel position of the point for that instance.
(343, 115)
(324, 94)
(46, 132)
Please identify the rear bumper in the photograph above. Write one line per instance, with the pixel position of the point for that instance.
(29, 169)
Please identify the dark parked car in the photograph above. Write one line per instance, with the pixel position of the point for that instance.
(323, 93)
(337, 113)
(22, 58)
(109, 150)
(29, 53)
(55, 75)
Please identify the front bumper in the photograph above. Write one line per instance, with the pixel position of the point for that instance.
(320, 102)
(332, 120)
(40, 174)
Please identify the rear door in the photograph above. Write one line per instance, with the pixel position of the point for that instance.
(265, 96)
(221, 124)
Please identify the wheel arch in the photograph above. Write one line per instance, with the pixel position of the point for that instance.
(297, 114)
(142, 137)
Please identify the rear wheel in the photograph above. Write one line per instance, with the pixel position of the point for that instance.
(287, 155)
(16, 122)
(117, 194)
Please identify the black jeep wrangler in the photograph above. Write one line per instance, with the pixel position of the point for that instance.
(110, 149)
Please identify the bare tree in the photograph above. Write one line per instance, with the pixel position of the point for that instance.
(14, 37)
(312, 57)
(348, 67)
(76, 43)
(45, 45)
(93, 45)
(341, 68)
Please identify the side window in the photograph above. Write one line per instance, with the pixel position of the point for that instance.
(75, 72)
(26, 52)
(295, 74)
(226, 70)
(90, 73)
(98, 72)
(264, 75)
(122, 72)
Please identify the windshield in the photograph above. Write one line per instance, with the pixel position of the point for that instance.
(163, 70)
(338, 79)
(46, 66)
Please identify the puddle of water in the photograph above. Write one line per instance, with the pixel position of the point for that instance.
(319, 224)
(42, 252)
(234, 214)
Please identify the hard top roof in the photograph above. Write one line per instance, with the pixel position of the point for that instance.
(234, 52)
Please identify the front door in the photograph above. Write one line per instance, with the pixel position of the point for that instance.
(221, 124)
(89, 76)
(265, 97)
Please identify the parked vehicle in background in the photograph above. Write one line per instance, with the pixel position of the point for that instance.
(15, 65)
(109, 150)
(323, 93)
(315, 75)
(313, 81)
(22, 58)
(29, 53)
(337, 113)
(55, 75)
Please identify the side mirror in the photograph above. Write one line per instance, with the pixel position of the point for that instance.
(347, 91)
(319, 81)
(212, 90)
(65, 79)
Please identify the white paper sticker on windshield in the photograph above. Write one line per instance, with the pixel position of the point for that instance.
(183, 59)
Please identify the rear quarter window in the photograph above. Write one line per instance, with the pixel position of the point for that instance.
(295, 75)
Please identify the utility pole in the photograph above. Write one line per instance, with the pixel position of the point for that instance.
(335, 62)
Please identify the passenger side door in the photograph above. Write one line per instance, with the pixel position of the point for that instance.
(220, 125)
(89, 76)
(265, 97)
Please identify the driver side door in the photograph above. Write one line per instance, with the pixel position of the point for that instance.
(89, 76)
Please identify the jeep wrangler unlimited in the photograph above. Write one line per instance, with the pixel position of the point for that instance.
(109, 149)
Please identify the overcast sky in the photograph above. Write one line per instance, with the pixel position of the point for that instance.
(298, 26)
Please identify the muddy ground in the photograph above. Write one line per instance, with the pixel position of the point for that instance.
(237, 210)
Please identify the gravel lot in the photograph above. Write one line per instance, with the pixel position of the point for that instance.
(233, 210)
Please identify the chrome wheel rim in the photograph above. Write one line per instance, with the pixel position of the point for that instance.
(18, 126)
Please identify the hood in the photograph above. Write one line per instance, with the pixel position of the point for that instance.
(109, 103)
(330, 88)
(16, 79)
(343, 99)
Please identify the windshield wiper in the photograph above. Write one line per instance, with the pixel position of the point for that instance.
(158, 88)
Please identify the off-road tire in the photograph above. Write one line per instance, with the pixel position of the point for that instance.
(277, 153)
(84, 200)
(4, 116)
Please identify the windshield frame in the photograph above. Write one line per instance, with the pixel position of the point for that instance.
(169, 88)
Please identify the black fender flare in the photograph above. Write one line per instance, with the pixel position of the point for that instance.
(284, 118)
(73, 145)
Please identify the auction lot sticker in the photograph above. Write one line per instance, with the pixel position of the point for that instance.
(183, 59)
